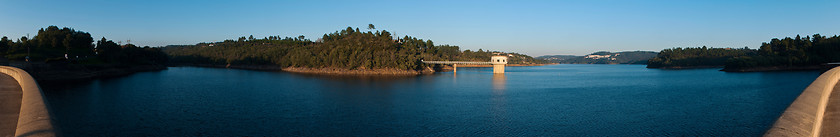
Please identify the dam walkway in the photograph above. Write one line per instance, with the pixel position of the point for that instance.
(815, 113)
(10, 98)
(23, 109)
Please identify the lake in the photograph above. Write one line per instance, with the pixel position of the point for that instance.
(552, 100)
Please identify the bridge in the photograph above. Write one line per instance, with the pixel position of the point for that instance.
(498, 63)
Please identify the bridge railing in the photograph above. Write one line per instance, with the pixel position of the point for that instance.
(34, 119)
(806, 115)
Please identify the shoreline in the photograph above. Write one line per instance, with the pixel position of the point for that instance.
(340, 71)
(337, 71)
(319, 71)
(507, 65)
(779, 68)
(685, 67)
(752, 69)
(47, 75)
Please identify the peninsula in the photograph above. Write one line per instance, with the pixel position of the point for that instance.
(348, 51)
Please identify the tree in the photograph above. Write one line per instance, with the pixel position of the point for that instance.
(371, 27)
(108, 50)
(699, 56)
(52, 43)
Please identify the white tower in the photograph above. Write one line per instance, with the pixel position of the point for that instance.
(498, 63)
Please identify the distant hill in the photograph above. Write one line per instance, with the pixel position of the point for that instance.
(603, 57)
(556, 58)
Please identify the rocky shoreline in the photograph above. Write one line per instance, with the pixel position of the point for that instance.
(320, 71)
(487, 66)
(334, 71)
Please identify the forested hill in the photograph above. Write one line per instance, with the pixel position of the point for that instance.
(345, 49)
(603, 57)
(779, 54)
(696, 57)
(790, 54)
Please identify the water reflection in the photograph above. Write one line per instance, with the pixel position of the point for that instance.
(498, 83)
(455, 78)
(499, 107)
(360, 82)
(355, 78)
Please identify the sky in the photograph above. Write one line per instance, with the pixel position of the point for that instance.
(530, 27)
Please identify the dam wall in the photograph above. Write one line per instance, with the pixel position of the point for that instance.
(34, 119)
(816, 112)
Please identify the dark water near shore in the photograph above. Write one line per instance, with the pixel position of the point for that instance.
(555, 100)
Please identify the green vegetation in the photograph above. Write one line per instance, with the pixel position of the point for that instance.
(696, 57)
(625, 57)
(346, 49)
(66, 45)
(790, 53)
(787, 53)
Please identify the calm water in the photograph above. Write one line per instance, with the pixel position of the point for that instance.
(555, 100)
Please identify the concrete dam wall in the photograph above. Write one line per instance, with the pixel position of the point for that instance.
(815, 113)
(34, 119)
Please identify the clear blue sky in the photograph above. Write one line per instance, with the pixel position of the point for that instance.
(530, 27)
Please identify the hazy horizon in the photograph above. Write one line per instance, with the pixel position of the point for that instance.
(534, 28)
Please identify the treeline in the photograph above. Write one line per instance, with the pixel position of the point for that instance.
(778, 54)
(790, 53)
(696, 57)
(66, 45)
(482, 55)
(345, 49)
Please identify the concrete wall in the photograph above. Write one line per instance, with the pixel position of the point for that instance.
(498, 60)
(498, 68)
(35, 119)
(806, 115)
